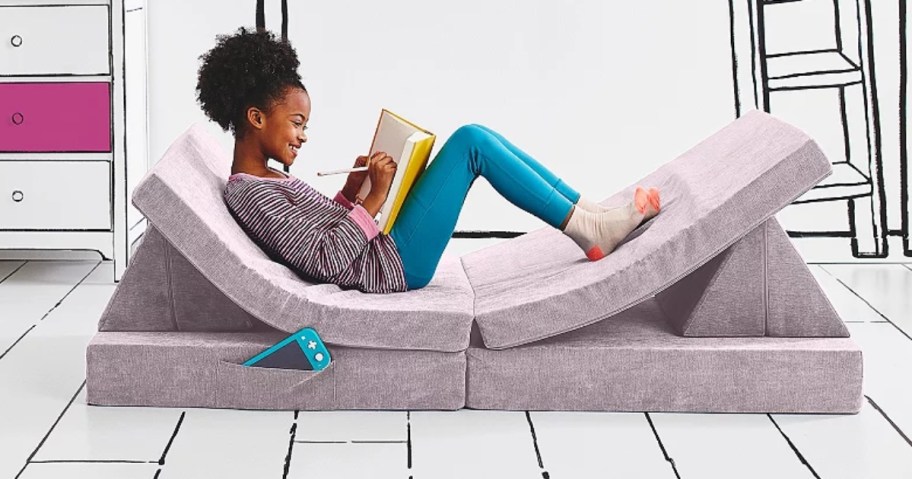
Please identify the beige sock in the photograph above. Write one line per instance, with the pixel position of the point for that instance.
(592, 206)
(598, 234)
(597, 208)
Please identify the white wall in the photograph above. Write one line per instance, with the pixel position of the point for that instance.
(561, 80)
(136, 109)
(601, 92)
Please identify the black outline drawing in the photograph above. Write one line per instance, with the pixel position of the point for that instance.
(261, 26)
(904, 173)
(859, 182)
(111, 243)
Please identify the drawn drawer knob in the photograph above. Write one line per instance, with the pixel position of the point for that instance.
(16, 41)
(18, 196)
(18, 118)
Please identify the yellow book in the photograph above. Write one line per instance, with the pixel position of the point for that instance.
(410, 147)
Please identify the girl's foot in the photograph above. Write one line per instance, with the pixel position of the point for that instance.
(598, 234)
(652, 195)
(592, 206)
(647, 202)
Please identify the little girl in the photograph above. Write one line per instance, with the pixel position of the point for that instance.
(248, 83)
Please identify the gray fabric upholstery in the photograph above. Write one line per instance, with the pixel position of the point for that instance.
(759, 286)
(168, 369)
(142, 300)
(162, 291)
(796, 304)
(636, 362)
(540, 284)
(724, 297)
(182, 198)
(174, 333)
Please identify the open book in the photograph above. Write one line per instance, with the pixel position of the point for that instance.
(410, 147)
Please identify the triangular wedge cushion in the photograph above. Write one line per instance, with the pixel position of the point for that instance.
(759, 286)
(161, 291)
(724, 297)
(796, 305)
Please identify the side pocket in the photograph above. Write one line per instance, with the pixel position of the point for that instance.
(245, 387)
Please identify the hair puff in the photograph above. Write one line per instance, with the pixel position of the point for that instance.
(247, 68)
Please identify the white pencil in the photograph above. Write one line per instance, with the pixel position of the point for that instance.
(345, 170)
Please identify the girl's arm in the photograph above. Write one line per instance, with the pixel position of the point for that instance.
(300, 233)
(343, 200)
(328, 251)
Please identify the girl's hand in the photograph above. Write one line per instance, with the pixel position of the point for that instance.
(356, 178)
(381, 169)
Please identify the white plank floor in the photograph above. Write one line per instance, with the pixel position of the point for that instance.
(50, 309)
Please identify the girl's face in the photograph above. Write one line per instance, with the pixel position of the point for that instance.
(283, 131)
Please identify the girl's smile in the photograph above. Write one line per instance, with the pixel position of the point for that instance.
(283, 131)
(277, 134)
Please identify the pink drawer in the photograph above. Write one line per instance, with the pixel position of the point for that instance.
(52, 117)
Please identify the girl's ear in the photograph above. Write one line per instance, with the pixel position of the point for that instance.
(256, 117)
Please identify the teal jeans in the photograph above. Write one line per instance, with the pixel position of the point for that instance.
(428, 216)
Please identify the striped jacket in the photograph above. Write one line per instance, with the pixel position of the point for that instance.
(322, 240)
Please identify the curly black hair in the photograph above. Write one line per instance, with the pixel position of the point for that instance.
(247, 68)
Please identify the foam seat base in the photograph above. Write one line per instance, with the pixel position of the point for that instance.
(637, 362)
(178, 369)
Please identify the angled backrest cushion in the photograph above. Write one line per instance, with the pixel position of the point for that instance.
(182, 198)
(540, 284)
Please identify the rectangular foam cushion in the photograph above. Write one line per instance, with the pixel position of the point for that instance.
(637, 362)
(181, 197)
(165, 369)
(540, 284)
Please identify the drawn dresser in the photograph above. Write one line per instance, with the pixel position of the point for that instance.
(63, 168)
